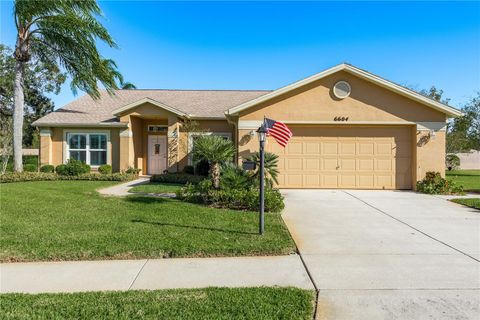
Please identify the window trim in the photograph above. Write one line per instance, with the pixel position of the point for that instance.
(66, 147)
(156, 126)
(207, 133)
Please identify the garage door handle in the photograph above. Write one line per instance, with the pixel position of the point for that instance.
(338, 167)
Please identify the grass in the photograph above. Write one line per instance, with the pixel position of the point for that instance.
(472, 202)
(469, 179)
(209, 303)
(156, 187)
(68, 220)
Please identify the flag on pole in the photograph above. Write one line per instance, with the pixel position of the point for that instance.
(278, 130)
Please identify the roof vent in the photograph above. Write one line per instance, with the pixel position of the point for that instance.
(342, 89)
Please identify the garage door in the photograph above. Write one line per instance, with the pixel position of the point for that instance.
(348, 157)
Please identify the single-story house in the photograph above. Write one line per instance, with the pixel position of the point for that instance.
(352, 129)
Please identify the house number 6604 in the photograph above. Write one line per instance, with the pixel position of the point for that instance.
(340, 119)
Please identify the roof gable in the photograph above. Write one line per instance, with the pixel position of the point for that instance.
(357, 72)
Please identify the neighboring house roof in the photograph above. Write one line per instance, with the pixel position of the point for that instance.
(357, 72)
(86, 111)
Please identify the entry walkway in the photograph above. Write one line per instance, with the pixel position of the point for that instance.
(76, 276)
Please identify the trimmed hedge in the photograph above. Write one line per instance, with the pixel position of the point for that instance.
(30, 167)
(43, 176)
(180, 178)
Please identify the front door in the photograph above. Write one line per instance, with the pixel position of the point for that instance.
(157, 154)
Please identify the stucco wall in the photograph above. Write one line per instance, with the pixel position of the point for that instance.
(367, 102)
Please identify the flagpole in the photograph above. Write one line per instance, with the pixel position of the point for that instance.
(262, 137)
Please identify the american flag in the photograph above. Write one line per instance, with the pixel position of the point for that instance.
(278, 130)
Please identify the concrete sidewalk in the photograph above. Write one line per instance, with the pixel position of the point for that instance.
(39, 277)
(121, 190)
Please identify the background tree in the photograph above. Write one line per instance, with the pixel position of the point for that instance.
(40, 79)
(61, 33)
(463, 133)
(216, 150)
(127, 86)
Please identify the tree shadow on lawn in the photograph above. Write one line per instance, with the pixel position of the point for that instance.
(167, 224)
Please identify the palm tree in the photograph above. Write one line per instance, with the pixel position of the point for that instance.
(127, 86)
(271, 164)
(62, 33)
(216, 150)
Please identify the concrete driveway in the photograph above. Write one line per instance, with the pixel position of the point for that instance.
(387, 254)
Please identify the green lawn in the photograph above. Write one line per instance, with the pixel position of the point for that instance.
(473, 202)
(68, 220)
(157, 187)
(469, 179)
(210, 303)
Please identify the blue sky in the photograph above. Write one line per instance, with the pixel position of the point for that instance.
(253, 45)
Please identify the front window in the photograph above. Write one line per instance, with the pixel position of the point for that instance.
(90, 148)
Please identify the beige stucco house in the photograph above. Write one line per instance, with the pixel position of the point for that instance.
(352, 129)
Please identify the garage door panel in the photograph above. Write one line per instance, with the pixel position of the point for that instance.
(387, 164)
(347, 180)
(294, 163)
(347, 164)
(329, 148)
(366, 148)
(329, 164)
(347, 157)
(329, 181)
(312, 164)
(312, 148)
(365, 181)
(384, 181)
(366, 164)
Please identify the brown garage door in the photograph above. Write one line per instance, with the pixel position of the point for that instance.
(346, 157)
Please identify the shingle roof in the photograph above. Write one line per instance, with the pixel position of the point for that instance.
(198, 103)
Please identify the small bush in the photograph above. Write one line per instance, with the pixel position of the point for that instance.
(61, 169)
(73, 168)
(105, 169)
(30, 167)
(180, 178)
(48, 168)
(131, 170)
(234, 177)
(188, 170)
(433, 183)
(45, 176)
(202, 168)
(452, 162)
(238, 199)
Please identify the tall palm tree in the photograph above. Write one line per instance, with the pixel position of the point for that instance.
(63, 33)
(216, 150)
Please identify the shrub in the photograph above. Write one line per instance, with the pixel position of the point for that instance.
(45, 176)
(239, 199)
(61, 169)
(202, 168)
(234, 177)
(47, 168)
(188, 170)
(452, 161)
(73, 168)
(105, 169)
(433, 183)
(30, 167)
(131, 170)
(180, 178)
(271, 167)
